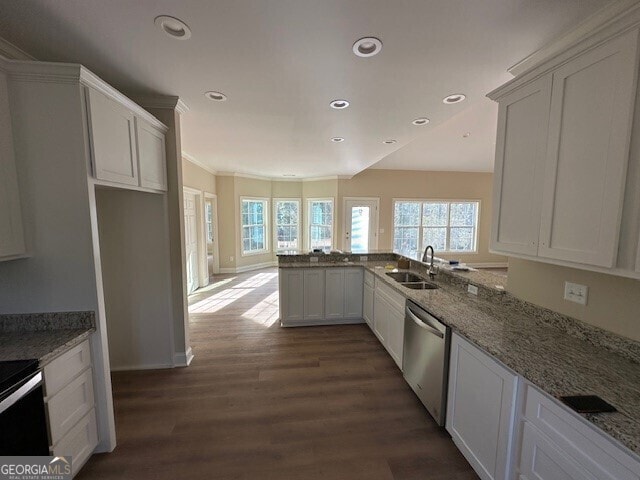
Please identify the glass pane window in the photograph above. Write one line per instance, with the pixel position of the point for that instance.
(254, 226)
(287, 220)
(208, 215)
(320, 224)
(447, 226)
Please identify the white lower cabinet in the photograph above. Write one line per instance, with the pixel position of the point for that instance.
(557, 444)
(480, 409)
(367, 299)
(388, 320)
(70, 405)
(320, 296)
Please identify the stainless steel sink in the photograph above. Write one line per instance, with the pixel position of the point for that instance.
(404, 277)
(419, 285)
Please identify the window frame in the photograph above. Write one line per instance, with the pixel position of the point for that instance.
(275, 222)
(422, 227)
(267, 223)
(208, 224)
(308, 225)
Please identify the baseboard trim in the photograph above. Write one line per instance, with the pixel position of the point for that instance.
(183, 359)
(489, 265)
(249, 268)
(153, 366)
(324, 321)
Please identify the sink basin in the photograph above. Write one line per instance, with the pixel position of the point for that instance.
(404, 277)
(419, 285)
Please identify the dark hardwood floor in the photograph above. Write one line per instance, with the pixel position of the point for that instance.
(263, 402)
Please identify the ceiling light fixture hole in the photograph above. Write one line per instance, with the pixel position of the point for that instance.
(367, 47)
(337, 139)
(215, 96)
(389, 142)
(339, 104)
(173, 27)
(454, 98)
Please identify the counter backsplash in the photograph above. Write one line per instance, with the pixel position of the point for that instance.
(32, 322)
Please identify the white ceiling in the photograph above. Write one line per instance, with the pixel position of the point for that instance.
(280, 62)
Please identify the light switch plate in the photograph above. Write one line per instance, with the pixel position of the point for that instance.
(576, 293)
(472, 289)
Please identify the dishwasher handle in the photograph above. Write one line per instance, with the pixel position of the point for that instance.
(424, 324)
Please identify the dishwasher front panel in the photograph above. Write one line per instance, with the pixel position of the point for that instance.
(425, 365)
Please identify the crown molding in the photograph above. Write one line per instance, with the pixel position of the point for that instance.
(196, 162)
(623, 12)
(162, 101)
(10, 52)
(283, 179)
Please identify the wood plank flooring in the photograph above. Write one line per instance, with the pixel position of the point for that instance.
(263, 402)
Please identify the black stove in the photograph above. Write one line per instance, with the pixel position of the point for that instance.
(13, 371)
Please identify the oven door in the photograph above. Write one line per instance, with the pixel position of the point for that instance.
(23, 425)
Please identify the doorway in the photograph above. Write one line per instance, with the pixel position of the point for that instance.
(191, 241)
(361, 224)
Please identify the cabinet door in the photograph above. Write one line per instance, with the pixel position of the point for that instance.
(480, 409)
(313, 294)
(151, 156)
(367, 306)
(541, 459)
(11, 232)
(381, 314)
(111, 127)
(353, 284)
(588, 148)
(523, 117)
(334, 293)
(395, 336)
(291, 294)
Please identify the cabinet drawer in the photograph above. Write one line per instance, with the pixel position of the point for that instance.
(61, 370)
(590, 449)
(69, 405)
(369, 278)
(396, 299)
(540, 459)
(79, 442)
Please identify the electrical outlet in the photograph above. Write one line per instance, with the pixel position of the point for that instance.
(313, 259)
(576, 293)
(231, 259)
(381, 230)
(472, 289)
(363, 258)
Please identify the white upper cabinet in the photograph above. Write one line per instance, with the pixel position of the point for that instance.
(587, 153)
(112, 138)
(519, 169)
(151, 156)
(562, 152)
(11, 232)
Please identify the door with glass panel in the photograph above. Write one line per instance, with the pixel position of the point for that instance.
(360, 224)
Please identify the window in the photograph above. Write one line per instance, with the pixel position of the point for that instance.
(447, 226)
(208, 218)
(254, 225)
(320, 221)
(286, 214)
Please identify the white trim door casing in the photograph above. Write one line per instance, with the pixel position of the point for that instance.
(373, 204)
(191, 241)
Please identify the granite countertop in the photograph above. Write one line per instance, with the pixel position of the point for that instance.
(43, 336)
(556, 362)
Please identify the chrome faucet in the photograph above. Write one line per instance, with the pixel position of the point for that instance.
(425, 257)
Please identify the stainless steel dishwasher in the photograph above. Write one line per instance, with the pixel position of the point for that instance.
(425, 363)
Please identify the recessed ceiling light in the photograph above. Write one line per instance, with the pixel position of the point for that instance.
(215, 96)
(466, 135)
(337, 139)
(173, 26)
(288, 175)
(421, 121)
(367, 47)
(389, 142)
(339, 104)
(455, 98)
